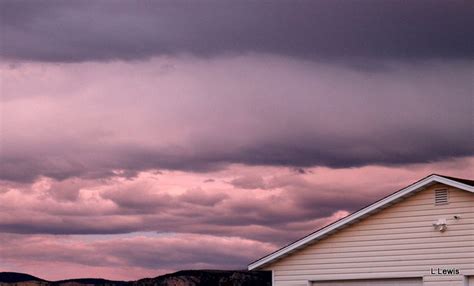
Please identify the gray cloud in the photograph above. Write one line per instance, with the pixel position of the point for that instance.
(60, 31)
(249, 182)
(205, 114)
(199, 197)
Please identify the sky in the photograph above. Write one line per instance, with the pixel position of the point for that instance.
(141, 138)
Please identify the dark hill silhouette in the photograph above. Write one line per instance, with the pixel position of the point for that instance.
(209, 278)
(181, 278)
(91, 281)
(14, 277)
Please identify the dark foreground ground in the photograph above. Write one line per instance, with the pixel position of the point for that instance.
(180, 278)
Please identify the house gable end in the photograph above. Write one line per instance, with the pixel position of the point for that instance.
(398, 242)
(362, 214)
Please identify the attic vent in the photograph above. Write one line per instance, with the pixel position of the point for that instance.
(441, 197)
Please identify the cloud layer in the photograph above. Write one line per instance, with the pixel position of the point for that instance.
(88, 120)
(60, 31)
(142, 138)
(156, 222)
(145, 255)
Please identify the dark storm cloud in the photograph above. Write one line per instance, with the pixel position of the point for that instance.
(387, 150)
(61, 31)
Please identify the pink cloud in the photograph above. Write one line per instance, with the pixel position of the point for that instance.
(110, 226)
(54, 257)
(183, 202)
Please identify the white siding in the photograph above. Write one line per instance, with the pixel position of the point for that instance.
(373, 282)
(399, 241)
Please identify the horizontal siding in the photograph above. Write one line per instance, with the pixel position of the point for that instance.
(395, 254)
(396, 225)
(397, 242)
(412, 265)
(444, 281)
(361, 262)
(372, 282)
(405, 219)
(421, 270)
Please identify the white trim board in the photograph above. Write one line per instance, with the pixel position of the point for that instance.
(352, 218)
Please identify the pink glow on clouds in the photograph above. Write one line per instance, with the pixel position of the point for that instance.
(156, 222)
(56, 257)
(126, 169)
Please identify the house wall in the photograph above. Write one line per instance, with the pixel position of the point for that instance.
(399, 241)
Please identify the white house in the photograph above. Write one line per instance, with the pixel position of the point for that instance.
(420, 235)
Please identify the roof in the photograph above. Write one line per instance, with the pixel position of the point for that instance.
(463, 184)
(459, 180)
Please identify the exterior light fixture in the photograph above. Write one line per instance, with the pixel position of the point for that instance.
(440, 225)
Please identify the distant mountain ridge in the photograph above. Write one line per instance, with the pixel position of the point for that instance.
(180, 278)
